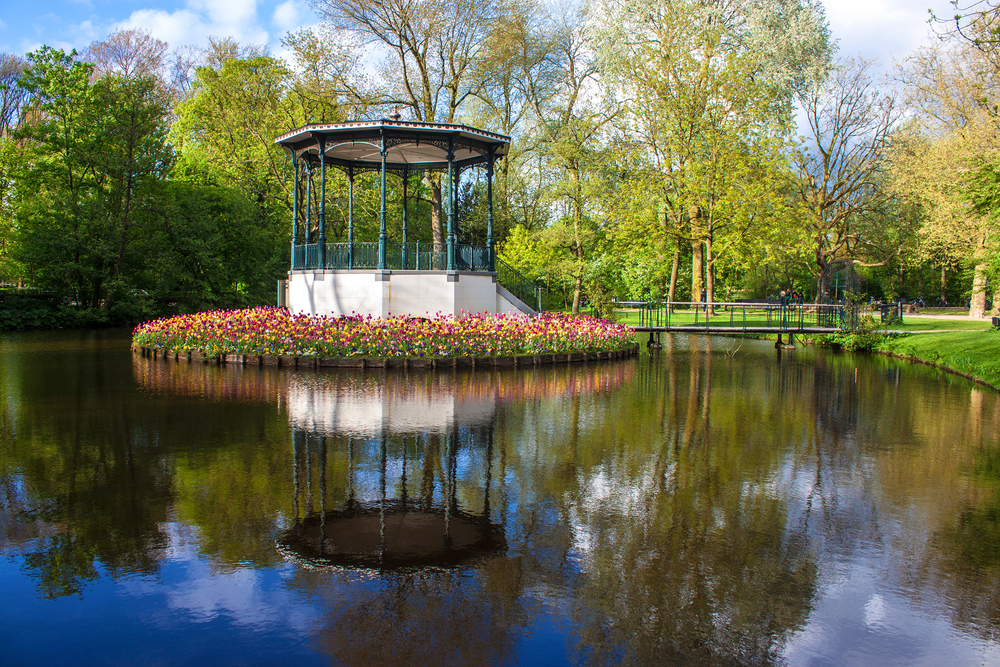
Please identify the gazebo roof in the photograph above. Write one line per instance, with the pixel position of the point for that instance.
(409, 144)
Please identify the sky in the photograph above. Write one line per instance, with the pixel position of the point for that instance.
(886, 30)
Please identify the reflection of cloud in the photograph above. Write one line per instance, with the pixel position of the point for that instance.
(244, 596)
(859, 616)
(875, 611)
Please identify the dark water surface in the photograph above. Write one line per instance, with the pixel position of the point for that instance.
(711, 505)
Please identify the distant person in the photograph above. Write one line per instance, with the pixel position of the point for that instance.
(704, 299)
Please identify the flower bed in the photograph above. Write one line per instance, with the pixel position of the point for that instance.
(275, 332)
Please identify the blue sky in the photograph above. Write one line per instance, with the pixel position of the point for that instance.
(27, 24)
(885, 29)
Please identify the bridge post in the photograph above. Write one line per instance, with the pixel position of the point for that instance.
(779, 344)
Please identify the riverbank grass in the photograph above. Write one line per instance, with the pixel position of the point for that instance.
(973, 353)
(275, 332)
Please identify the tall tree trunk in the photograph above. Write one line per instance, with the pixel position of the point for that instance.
(697, 262)
(822, 280)
(899, 273)
(944, 282)
(437, 222)
(709, 272)
(977, 306)
(673, 274)
(574, 174)
(696, 254)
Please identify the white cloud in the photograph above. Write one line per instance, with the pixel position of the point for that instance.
(29, 45)
(200, 20)
(226, 12)
(287, 16)
(87, 31)
(884, 29)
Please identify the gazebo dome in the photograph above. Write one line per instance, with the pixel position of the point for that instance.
(359, 144)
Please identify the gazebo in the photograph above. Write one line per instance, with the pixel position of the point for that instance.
(399, 276)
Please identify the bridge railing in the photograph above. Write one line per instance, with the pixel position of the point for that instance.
(743, 316)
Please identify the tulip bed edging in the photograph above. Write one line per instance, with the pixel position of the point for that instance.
(383, 362)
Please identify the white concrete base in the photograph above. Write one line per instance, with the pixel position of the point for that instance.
(387, 294)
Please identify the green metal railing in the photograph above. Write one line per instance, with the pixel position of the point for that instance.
(743, 316)
(518, 285)
(415, 256)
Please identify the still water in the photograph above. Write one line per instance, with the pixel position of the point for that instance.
(715, 504)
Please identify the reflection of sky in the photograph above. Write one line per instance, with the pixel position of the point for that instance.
(858, 619)
(868, 608)
(191, 612)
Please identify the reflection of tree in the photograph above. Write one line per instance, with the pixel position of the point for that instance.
(969, 551)
(701, 566)
(93, 468)
(90, 472)
(415, 618)
(655, 509)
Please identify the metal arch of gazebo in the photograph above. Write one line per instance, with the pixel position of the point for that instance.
(402, 148)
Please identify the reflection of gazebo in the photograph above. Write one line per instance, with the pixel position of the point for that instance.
(386, 469)
(388, 520)
(399, 276)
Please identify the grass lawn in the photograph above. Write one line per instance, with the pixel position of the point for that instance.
(938, 324)
(971, 352)
(687, 318)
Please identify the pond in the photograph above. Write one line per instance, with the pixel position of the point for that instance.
(719, 503)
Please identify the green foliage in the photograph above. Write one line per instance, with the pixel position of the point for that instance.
(103, 217)
(868, 336)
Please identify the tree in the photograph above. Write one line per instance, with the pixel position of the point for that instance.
(60, 242)
(839, 166)
(709, 89)
(951, 137)
(129, 54)
(13, 98)
(570, 114)
(431, 49)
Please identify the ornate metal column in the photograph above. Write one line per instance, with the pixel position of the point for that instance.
(350, 217)
(295, 209)
(451, 204)
(382, 236)
(322, 203)
(309, 183)
(490, 262)
(406, 182)
(454, 201)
